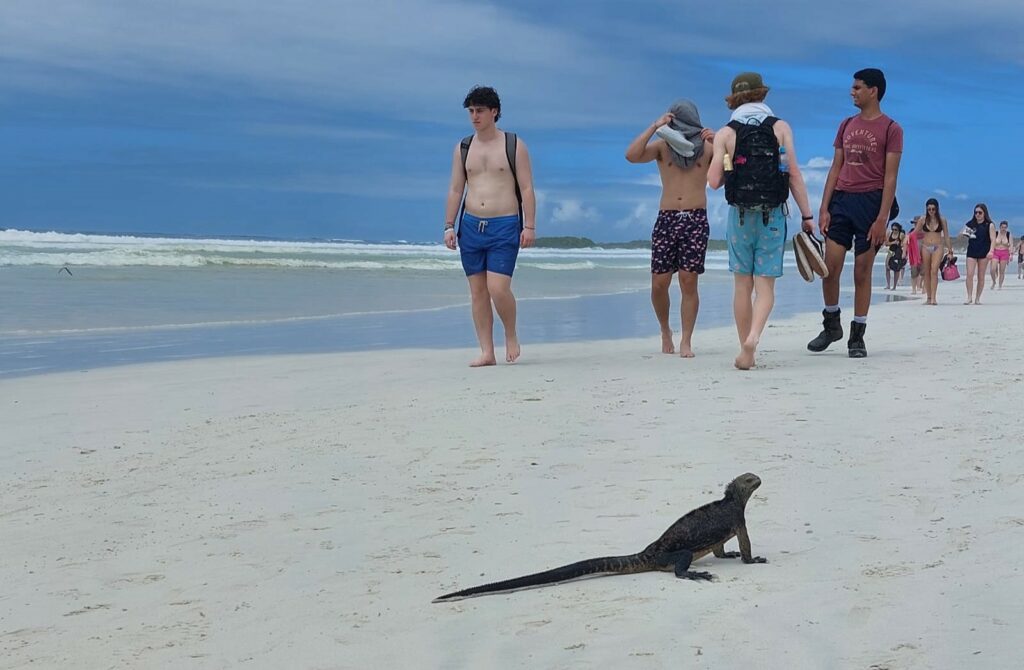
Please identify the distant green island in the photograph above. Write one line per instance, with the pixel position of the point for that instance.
(586, 242)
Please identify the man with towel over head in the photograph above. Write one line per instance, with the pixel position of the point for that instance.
(679, 241)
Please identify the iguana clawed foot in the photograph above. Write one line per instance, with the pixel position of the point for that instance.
(756, 559)
(691, 574)
(729, 554)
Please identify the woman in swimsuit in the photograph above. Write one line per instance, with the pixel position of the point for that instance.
(896, 242)
(980, 233)
(1020, 258)
(1001, 245)
(933, 230)
(913, 247)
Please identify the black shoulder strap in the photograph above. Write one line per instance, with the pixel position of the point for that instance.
(511, 144)
(887, 129)
(464, 148)
(735, 125)
(842, 128)
(769, 122)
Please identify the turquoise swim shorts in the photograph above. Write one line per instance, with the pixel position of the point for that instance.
(756, 247)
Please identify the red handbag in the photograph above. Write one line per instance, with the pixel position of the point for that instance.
(949, 273)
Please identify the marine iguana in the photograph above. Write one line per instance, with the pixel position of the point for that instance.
(699, 532)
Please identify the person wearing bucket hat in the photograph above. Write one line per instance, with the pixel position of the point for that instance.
(858, 201)
(755, 159)
(679, 240)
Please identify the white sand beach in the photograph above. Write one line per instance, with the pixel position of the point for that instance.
(302, 511)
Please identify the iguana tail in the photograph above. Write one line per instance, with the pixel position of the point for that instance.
(592, 567)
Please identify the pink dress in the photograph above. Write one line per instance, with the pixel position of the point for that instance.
(913, 249)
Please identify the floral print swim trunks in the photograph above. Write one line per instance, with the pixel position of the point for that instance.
(680, 241)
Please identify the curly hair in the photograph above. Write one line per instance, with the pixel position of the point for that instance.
(484, 96)
(743, 97)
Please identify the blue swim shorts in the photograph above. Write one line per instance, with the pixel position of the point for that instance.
(852, 215)
(756, 247)
(489, 245)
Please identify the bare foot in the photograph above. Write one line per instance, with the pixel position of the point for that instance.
(667, 347)
(968, 302)
(685, 350)
(483, 361)
(511, 349)
(745, 360)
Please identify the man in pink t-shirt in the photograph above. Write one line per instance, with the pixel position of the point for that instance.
(859, 200)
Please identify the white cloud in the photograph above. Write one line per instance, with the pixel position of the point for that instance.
(573, 211)
(815, 172)
(799, 34)
(941, 193)
(642, 215)
(648, 180)
(405, 58)
(960, 196)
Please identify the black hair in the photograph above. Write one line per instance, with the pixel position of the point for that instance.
(928, 218)
(872, 78)
(484, 96)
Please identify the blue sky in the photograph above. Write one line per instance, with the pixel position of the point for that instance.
(337, 119)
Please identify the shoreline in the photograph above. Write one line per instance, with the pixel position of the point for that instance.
(621, 315)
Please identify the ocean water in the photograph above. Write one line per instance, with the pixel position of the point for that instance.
(129, 298)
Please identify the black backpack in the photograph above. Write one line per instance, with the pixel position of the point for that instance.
(755, 182)
(511, 142)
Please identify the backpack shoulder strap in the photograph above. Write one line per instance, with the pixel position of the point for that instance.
(511, 144)
(464, 148)
(735, 125)
(769, 122)
(887, 129)
(842, 128)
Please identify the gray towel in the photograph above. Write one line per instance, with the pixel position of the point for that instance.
(687, 121)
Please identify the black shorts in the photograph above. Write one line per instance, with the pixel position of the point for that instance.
(852, 215)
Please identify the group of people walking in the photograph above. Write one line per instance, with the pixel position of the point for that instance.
(491, 214)
(928, 250)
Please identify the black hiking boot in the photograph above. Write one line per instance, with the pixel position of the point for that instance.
(832, 332)
(856, 343)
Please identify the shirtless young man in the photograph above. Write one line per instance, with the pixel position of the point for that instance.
(679, 242)
(492, 227)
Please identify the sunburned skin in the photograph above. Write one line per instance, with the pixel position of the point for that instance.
(684, 189)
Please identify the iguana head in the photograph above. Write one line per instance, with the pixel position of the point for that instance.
(743, 487)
